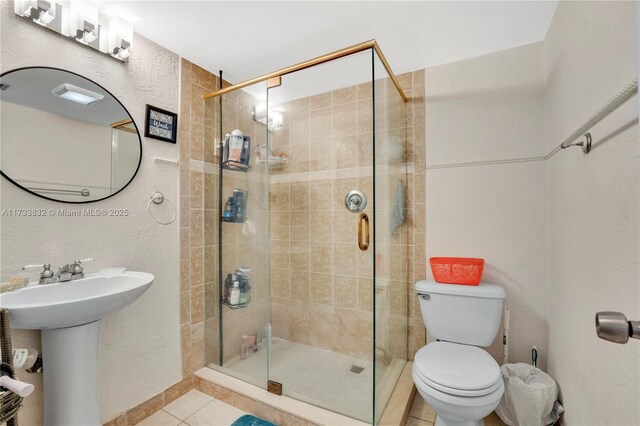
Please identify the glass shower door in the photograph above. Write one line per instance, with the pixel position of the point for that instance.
(236, 201)
(392, 239)
(320, 148)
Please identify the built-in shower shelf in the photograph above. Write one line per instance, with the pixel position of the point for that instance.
(230, 306)
(236, 166)
(274, 162)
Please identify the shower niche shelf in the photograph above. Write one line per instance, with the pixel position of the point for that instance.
(274, 162)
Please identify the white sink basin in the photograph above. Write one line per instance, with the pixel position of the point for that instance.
(73, 303)
(70, 315)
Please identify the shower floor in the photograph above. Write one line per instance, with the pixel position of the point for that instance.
(320, 377)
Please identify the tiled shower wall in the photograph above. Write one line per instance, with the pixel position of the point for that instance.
(416, 198)
(341, 299)
(198, 212)
(199, 185)
(321, 283)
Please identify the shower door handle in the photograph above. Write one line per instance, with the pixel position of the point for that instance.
(363, 221)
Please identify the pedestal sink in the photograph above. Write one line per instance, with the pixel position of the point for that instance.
(69, 315)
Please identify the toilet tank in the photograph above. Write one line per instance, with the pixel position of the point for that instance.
(461, 313)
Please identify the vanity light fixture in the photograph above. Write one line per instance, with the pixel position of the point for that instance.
(103, 27)
(120, 38)
(42, 12)
(76, 94)
(83, 21)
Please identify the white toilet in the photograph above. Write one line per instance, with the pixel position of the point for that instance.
(457, 378)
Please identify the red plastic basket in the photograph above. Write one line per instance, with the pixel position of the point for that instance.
(457, 270)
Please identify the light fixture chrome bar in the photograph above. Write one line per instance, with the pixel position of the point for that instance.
(613, 104)
(83, 192)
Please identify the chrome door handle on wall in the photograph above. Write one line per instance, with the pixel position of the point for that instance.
(614, 327)
(363, 220)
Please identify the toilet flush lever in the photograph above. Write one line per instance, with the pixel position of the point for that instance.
(614, 327)
(424, 296)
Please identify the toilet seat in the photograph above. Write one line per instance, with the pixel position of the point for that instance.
(457, 392)
(457, 369)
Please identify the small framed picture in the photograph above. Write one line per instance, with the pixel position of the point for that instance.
(161, 124)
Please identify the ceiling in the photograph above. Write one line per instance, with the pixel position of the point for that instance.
(248, 39)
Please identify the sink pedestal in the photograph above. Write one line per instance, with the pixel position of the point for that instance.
(71, 387)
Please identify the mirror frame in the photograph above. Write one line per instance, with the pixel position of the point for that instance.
(123, 107)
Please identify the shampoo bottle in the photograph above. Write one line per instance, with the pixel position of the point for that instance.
(235, 294)
(236, 143)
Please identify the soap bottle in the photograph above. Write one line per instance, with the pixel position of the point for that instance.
(245, 290)
(235, 294)
(228, 283)
(246, 151)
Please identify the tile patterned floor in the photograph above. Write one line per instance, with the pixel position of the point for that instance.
(198, 409)
(194, 409)
(423, 415)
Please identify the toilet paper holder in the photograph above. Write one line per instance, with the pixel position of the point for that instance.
(614, 327)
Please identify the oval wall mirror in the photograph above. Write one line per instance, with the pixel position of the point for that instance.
(64, 137)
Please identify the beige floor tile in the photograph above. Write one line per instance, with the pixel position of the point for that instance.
(421, 410)
(493, 420)
(160, 418)
(188, 404)
(215, 413)
(414, 421)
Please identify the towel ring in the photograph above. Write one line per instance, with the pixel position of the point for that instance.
(158, 198)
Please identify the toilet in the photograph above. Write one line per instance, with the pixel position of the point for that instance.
(454, 375)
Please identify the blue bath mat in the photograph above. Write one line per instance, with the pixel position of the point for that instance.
(249, 420)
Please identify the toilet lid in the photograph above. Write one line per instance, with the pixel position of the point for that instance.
(457, 366)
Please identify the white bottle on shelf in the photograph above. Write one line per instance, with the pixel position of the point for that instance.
(234, 298)
(23, 359)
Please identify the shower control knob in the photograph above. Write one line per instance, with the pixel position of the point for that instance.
(355, 201)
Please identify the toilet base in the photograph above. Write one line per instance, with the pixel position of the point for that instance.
(447, 422)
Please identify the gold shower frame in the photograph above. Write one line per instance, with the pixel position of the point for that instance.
(275, 76)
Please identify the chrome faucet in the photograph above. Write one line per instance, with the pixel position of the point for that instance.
(68, 272)
(72, 271)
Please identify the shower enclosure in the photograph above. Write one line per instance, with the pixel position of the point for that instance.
(319, 311)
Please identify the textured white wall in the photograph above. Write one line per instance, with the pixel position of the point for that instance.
(485, 109)
(140, 353)
(593, 234)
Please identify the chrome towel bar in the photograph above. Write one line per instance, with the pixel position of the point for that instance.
(614, 103)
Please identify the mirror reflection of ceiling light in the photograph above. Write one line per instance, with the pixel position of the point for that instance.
(273, 120)
(76, 94)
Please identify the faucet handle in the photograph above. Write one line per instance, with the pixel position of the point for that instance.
(77, 267)
(34, 267)
(46, 275)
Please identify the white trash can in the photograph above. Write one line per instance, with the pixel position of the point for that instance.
(529, 397)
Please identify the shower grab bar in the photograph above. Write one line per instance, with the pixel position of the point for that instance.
(614, 103)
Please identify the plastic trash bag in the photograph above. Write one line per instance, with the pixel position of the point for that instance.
(529, 397)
